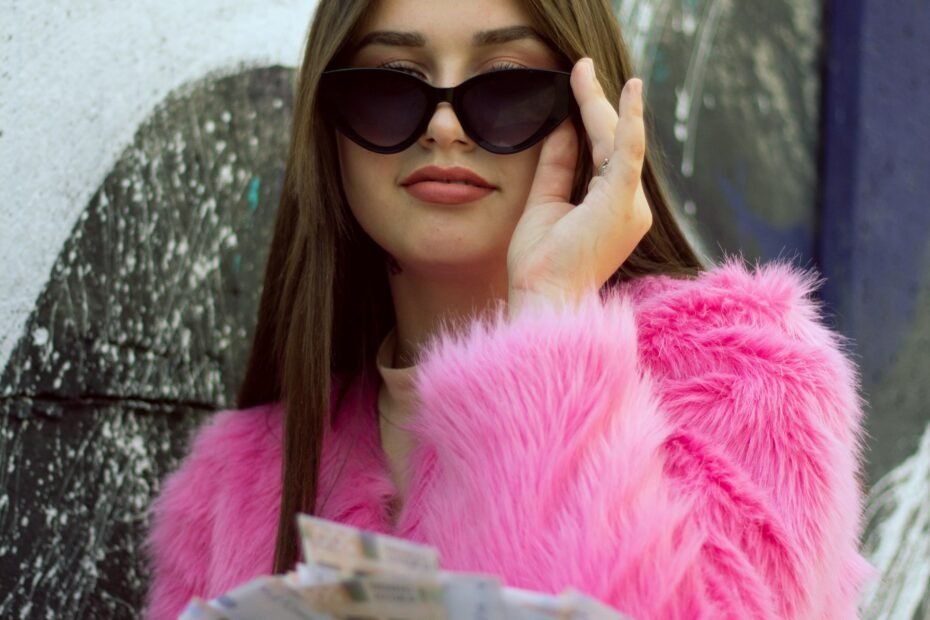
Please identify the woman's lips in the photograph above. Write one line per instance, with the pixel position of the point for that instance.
(440, 192)
(447, 185)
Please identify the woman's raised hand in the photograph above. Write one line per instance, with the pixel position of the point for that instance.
(559, 251)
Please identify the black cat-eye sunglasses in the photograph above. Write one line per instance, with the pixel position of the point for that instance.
(505, 111)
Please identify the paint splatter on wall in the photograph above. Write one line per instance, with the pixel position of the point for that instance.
(898, 539)
(142, 331)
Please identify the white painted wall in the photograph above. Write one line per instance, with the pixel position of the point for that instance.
(77, 78)
(898, 544)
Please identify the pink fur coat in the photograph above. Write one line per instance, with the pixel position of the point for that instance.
(679, 449)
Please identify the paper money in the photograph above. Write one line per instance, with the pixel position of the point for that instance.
(350, 574)
(314, 575)
(472, 597)
(267, 598)
(529, 605)
(355, 551)
(199, 609)
(569, 605)
(380, 597)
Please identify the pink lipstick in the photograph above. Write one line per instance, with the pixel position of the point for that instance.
(454, 185)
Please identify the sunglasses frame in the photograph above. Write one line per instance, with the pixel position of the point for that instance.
(564, 106)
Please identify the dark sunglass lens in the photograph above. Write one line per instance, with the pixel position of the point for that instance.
(509, 107)
(380, 106)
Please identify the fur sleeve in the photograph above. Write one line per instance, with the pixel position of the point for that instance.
(178, 544)
(560, 457)
(215, 520)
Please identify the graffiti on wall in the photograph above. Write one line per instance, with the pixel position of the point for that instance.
(138, 335)
(733, 91)
(136, 225)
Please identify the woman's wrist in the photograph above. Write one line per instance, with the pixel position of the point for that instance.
(518, 301)
(521, 300)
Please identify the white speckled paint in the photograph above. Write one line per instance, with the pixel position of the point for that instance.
(898, 544)
(76, 80)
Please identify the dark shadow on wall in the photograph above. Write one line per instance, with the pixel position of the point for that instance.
(142, 331)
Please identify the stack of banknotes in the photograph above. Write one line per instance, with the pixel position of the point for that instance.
(351, 574)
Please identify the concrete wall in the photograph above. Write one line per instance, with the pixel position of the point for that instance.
(141, 150)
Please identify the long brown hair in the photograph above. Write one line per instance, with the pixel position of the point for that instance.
(326, 305)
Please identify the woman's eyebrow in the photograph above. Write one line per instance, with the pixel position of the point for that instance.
(393, 38)
(506, 35)
(497, 36)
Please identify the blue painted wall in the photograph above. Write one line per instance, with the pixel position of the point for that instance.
(875, 218)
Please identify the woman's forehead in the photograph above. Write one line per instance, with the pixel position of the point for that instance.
(433, 23)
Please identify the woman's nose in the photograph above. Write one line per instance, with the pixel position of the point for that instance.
(445, 130)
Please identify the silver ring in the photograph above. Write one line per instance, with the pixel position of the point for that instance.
(602, 170)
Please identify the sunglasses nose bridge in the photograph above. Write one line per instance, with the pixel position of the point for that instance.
(445, 95)
(442, 95)
(439, 95)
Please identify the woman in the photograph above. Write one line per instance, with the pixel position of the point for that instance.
(433, 360)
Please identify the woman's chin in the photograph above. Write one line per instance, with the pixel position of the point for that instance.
(451, 259)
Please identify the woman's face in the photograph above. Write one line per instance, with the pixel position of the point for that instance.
(432, 231)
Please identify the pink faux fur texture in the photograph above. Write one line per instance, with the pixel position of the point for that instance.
(679, 449)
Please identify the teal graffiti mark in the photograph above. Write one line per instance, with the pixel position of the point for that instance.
(237, 262)
(660, 69)
(254, 185)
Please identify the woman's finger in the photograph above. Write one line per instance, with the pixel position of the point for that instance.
(616, 209)
(625, 169)
(597, 113)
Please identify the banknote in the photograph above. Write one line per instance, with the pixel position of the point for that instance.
(472, 596)
(380, 597)
(199, 609)
(267, 598)
(528, 605)
(351, 574)
(570, 604)
(313, 574)
(355, 551)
